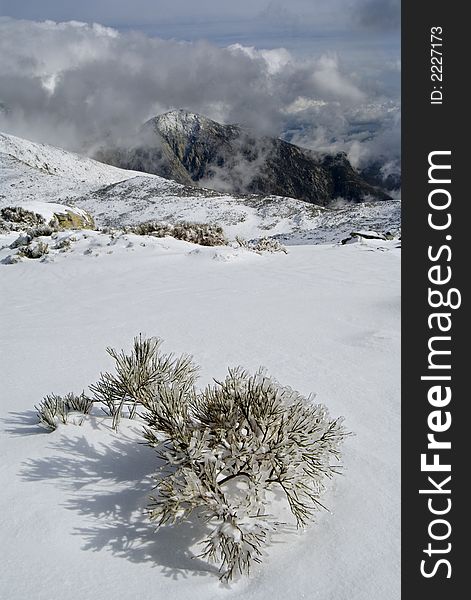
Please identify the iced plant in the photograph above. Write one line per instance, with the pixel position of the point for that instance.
(55, 409)
(138, 377)
(226, 447)
(21, 217)
(41, 230)
(78, 403)
(265, 244)
(204, 234)
(52, 410)
(63, 245)
(269, 245)
(224, 450)
(34, 250)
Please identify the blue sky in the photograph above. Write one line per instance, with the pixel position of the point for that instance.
(223, 19)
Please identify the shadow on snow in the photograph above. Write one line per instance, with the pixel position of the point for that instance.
(110, 486)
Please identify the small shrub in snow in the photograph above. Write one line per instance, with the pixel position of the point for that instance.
(225, 450)
(21, 216)
(55, 409)
(226, 447)
(51, 411)
(269, 245)
(37, 250)
(5, 226)
(262, 245)
(111, 231)
(63, 245)
(138, 377)
(41, 230)
(81, 403)
(203, 234)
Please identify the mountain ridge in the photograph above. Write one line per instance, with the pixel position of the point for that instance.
(188, 147)
(31, 171)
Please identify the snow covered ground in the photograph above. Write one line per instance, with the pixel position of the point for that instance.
(322, 318)
(55, 162)
(37, 172)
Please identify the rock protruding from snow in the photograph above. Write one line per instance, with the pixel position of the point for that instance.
(34, 214)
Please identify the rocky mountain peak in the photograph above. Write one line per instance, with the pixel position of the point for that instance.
(181, 121)
(193, 149)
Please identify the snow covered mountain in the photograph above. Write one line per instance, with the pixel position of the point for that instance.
(323, 318)
(60, 163)
(31, 172)
(192, 148)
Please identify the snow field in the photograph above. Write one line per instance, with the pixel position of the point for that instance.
(322, 319)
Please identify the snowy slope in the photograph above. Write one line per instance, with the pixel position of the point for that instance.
(142, 199)
(322, 319)
(30, 171)
(334, 225)
(61, 163)
(294, 221)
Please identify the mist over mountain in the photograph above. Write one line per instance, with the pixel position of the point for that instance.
(74, 85)
(190, 148)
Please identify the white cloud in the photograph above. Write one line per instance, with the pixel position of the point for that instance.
(276, 59)
(73, 84)
(333, 83)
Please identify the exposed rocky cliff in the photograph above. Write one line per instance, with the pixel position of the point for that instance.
(190, 148)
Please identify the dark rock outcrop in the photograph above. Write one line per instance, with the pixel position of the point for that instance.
(191, 149)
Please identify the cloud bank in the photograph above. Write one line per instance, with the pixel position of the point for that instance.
(74, 85)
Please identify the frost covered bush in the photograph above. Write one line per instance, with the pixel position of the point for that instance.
(34, 250)
(138, 377)
(51, 411)
(225, 451)
(5, 226)
(269, 245)
(262, 245)
(63, 245)
(21, 216)
(203, 234)
(41, 230)
(81, 403)
(228, 446)
(55, 409)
